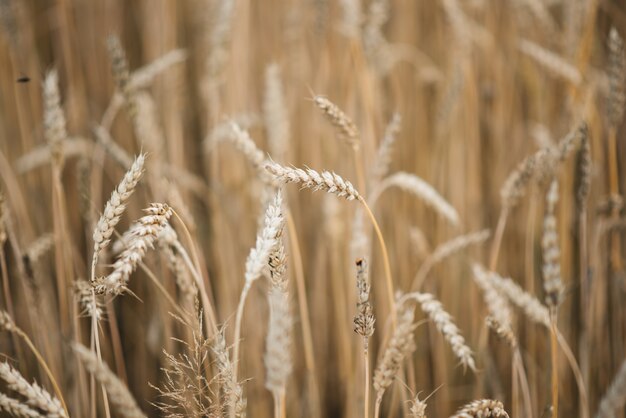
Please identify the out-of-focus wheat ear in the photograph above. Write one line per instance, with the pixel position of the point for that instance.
(551, 268)
(40, 247)
(275, 113)
(420, 188)
(583, 168)
(233, 392)
(382, 162)
(351, 18)
(17, 408)
(615, 396)
(115, 207)
(35, 395)
(497, 304)
(121, 73)
(119, 395)
(617, 78)
(90, 305)
(398, 348)
(572, 141)
(168, 240)
(311, 179)
(278, 343)
(515, 184)
(55, 130)
(340, 120)
(554, 63)
(444, 323)
(483, 408)
(504, 332)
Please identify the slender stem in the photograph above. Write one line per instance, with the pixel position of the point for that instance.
(497, 239)
(94, 327)
(379, 400)
(163, 290)
(616, 259)
(237, 336)
(555, 367)
(569, 355)
(366, 365)
(523, 379)
(386, 264)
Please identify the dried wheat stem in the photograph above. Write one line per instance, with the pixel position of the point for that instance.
(119, 394)
(483, 408)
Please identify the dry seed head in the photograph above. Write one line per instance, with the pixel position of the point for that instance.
(418, 408)
(483, 408)
(311, 179)
(119, 395)
(35, 395)
(615, 396)
(17, 408)
(502, 331)
(364, 319)
(617, 78)
(497, 304)
(455, 245)
(278, 358)
(551, 268)
(583, 167)
(54, 118)
(345, 126)
(85, 296)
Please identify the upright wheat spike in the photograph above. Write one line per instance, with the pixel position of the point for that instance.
(617, 78)
(551, 255)
(483, 408)
(364, 322)
(54, 118)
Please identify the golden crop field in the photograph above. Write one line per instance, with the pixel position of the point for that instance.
(312, 208)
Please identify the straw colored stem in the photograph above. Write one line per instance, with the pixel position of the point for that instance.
(616, 259)
(366, 366)
(497, 239)
(237, 336)
(555, 368)
(96, 339)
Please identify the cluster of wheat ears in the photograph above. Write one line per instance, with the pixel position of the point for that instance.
(133, 286)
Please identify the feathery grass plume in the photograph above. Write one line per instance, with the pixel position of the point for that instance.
(119, 395)
(483, 408)
(415, 185)
(617, 78)
(115, 207)
(167, 241)
(529, 304)
(145, 233)
(311, 179)
(583, 169)
(89, 304)
(418, 408)
(385, 150)
(554, 63)
(275, 113)
(35, 395)
(615, 396)
(364, 320)
(398, 348)
(497, 305)
(6, 322)
(444, 323)
(233, 392)
(278, 358)
(17, 408)
(551, 268)
(343, 123)
(40, 247)
(54, 119)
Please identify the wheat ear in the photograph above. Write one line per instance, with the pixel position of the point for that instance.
(17, 408)
(54, 118)
(483, 408)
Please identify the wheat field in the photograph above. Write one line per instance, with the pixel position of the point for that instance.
(312, 208)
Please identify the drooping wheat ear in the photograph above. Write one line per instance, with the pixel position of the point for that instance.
(278, 344)
(583, 169)
(364, 319)
(483, 408)
(275, 113)
(554, 63)
(168, 240)
(444, 323)
(385, 150)
(233, 392)
(617, 78)
(551, 268)
(143, 238)
(119, 395)
(16, 408)
(615, 396)
(418, 408)
(446, 250)
(529, 304)
(497, 305)
(35, 395)
(311, 179)
(421, 189)
(6, 322)
(40, 247)
(115, 207)
(398, 348)
(342, 122)
(243, 142)
(54, 118)
(90, 306)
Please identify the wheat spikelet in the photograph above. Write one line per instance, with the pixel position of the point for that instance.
(364, 320)
(311, 179)
(551, 268)
(143, 237)
(119, 395)
(17, 408)
(83, 292)
(572, 141)
(40, 247)
(515, 184)
(615, 396)
(400, 346)
(415, 185)
(418, 408)
(219, 37)
(233, 391)
(530, 305)
(35, 395)
(374, 40)
(54, 118)
(242, 141)
(551, 61)
(617, 78)
(115, 207)
(385, 150)
(275, 113)
(444, 323)
(345, 126)
(483, 408)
